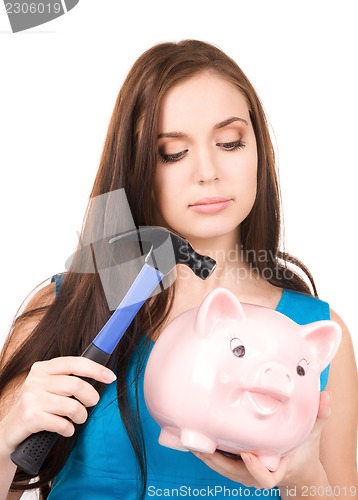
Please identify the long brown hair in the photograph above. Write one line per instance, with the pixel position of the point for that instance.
(128, 161)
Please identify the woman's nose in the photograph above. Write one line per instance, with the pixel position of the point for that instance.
(205, 168)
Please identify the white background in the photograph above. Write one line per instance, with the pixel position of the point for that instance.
(58, 85)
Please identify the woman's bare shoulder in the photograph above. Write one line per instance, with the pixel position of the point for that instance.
(346, 350)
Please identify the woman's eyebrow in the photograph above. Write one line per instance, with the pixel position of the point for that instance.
(228, 121)
(225, 123)
(172, 134)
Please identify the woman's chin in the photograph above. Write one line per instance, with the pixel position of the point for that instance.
(209, 233)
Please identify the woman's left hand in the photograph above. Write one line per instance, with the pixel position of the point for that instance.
(299, 467)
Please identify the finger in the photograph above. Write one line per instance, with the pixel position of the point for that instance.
(264, 477)
(35, 418)
(75, 365)
(233, 468)
(322, 414)
(66, 407)
(324, 408)
(43, 421)
(33, 407)
(65, 385)
(55, 423)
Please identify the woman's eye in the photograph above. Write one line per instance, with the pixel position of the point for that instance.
(168, 158)
(231, 146)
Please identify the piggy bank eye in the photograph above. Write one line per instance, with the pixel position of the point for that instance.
(302, 367)
(237, 348)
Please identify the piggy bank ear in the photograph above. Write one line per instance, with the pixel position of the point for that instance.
(219, 304)
(324, 337)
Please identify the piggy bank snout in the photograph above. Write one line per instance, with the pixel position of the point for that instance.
(276, 379)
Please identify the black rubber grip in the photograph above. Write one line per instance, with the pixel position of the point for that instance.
(96, 354)
(32, 452)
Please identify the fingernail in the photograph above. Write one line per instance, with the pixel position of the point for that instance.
(328, 396)
(109, 375)
(246, 458)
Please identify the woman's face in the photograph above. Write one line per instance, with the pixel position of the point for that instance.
(206, 176)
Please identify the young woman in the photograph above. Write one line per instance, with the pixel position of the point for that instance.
(189, 143)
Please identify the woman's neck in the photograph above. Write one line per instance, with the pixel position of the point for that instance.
(232, 270)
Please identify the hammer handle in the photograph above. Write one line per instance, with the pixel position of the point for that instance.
(32, 452)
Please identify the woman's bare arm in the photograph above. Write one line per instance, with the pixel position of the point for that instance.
(20, 333)
(339, 436)
(53, 396)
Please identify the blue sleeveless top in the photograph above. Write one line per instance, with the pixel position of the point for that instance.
(102, 464)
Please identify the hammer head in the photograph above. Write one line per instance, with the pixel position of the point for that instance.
(165, 249)
(119, 259)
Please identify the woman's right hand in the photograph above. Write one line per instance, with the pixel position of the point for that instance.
(52, 397)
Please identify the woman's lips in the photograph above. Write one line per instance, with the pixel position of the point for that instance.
(210, 205)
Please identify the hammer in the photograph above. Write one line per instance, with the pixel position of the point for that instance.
(166, 250)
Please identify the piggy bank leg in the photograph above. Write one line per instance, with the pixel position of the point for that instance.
(196, 441)
(170, 437)
(270, 460)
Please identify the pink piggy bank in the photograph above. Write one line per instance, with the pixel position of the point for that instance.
(237, 377)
